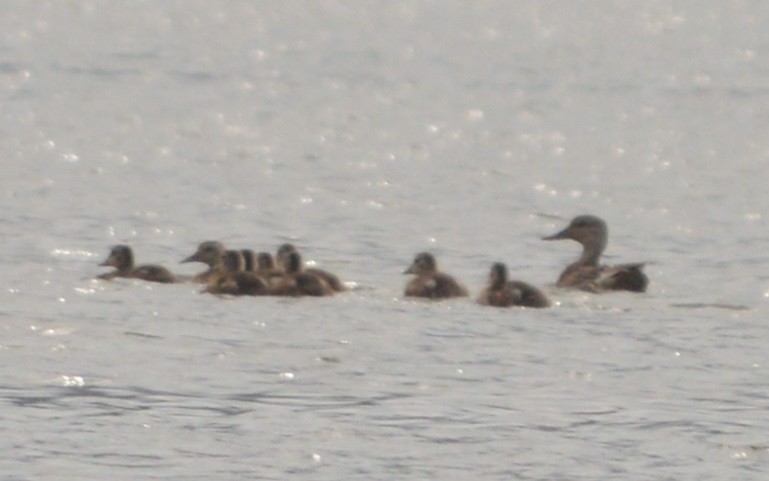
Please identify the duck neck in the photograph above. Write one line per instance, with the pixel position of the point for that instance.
(591, 253)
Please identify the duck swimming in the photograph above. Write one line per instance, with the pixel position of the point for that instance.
(586, 273)
(329, 278)
(503, 293)
(430, 282)
(264, 266)
(121, 257)
(298, 282)
(231, 278)
(210, 253)
(249, 260)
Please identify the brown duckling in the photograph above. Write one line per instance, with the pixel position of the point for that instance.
(331, 279)
(249, 260)
(209, 253)
(430, 282)
(586, 273)
(264, 266)
(231, 278)
(121, 257)
(265, 262)
(298, 282)
(501, 292)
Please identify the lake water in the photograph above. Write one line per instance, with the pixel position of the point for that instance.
(365, 132)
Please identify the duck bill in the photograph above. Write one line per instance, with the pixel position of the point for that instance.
(410, 270)
(107, 263)
(192, 258)
(564, 234)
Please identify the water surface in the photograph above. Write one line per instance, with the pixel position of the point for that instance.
(365, 132)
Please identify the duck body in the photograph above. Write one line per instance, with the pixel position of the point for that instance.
(295, 281)
(302, 284)
(587, 273)
(237, 284)
(503, 293)
(598, 278)
(122, 259)
(332, 280)
(265, 268)
(429, 282)
(329, 278)
(231, 278)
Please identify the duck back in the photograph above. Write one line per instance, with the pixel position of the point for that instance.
(302, 284)
(435, 286)
(623, 277)
(330, 279)
(514, 293)
(153, 273)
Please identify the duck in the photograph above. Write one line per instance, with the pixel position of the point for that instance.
(265, 262)
(264, 266)
(209, 253)
(121, 257)
(249, 260)
(430, 282)
(587, 273)
(500, 292)
(331, 279)
(298, 282)
(231, 278)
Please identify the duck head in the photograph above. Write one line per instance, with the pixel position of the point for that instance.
(424, 263)
(120, 257)
(588, 230)
(264, 261)
(283, 252)
(292, 263)
(498, 275)
(249, 260)
(209, 252)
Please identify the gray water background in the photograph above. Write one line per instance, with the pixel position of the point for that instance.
(364, 132)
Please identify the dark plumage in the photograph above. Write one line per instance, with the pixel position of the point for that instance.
(231, 278)
(121, 257)
(249, 260)
(265, 267)
(298, 282)
(501, 292)
(586, 273)
(330, 279)
(265, 262)
(430, 282)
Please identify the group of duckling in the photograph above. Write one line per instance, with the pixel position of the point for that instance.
(235, 272)
(243, 272)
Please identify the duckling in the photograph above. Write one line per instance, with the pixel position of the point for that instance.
(503, 293)
(121, 257)
(231, 278)
(209, 253)
(430, 282)
(265, 267)
(298, 282)
(249, 260)
(586, 273)
(265, 262)
(331, 279)
(283, 251)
